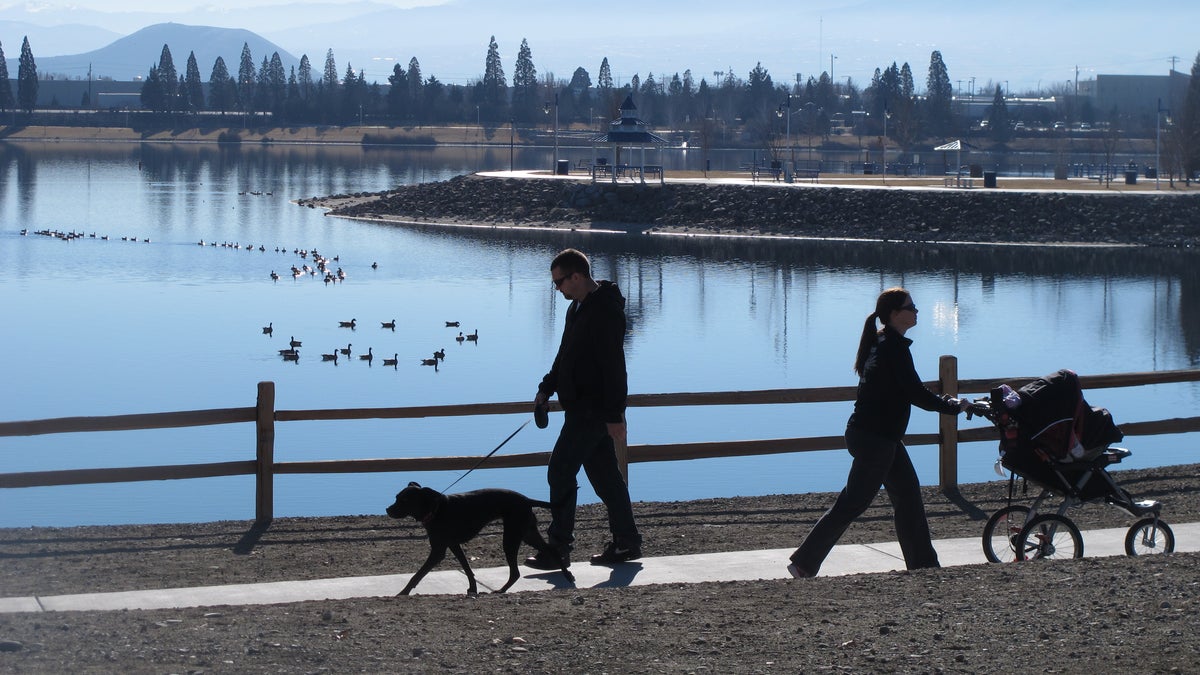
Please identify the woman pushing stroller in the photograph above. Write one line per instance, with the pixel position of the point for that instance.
(888, 387)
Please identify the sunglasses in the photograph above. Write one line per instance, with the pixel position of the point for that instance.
(910, 307)
(561, 280)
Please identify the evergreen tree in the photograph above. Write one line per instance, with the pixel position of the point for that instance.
(418, 101)
(494, 84)
(304, 79)
(261, 91)
(352, 94)
(192, 87)
(276, 84)
(222, 90)
(904, 125)
(998, 118)
(168, 80)
(525, 104)
(432, 95)
(327, 89)
(27, 79)
(245, 80)
(294, 106)
(1187, 127)
(604, 91)
(938, 96)
(397, 97)
(152, 91)
(760, 95)
(6, 93)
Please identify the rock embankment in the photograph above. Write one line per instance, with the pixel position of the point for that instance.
(884, 214)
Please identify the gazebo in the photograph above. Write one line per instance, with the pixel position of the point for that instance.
(957, 147)
(628, 132)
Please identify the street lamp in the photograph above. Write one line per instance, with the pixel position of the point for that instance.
(1157, 139)
(780, 112)
(546, 109)
(887, 115)
(512, 123)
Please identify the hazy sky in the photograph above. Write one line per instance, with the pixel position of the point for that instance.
(1022, 44)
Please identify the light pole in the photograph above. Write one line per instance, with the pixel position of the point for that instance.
(546, 109)
(1157, 139)
(781, 112)
(887, 115)
(512, 123)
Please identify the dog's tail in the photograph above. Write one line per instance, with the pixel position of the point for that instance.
(544, 505)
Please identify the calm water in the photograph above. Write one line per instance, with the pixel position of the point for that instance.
(101, 327)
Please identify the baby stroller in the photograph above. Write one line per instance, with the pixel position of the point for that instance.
(1052, 438)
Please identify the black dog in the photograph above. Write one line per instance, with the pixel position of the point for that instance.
(452, 520)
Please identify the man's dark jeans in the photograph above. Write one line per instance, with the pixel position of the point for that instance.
(584, 442)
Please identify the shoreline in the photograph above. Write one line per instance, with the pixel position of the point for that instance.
(830, 212)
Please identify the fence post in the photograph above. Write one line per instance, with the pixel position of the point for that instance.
(948, 427)
(622, 450)
(264, 482)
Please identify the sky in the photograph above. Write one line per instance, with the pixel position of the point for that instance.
(1019, 44)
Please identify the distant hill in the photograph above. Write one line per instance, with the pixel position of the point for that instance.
(131, 57)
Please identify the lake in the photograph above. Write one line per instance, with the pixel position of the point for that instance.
(149, 320)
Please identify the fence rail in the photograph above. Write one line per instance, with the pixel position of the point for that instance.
(265, 416)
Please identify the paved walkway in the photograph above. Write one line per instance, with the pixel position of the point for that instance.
(449, 579)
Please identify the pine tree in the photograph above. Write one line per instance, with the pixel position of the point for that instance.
(167, 79)
(6, 93)
(222, 90)
(27, 79)
(304, 79)
(525, 85)
(192, 87)
(938, 96)
(276, 84)
(397, 97)
(1187, 130)
(495, 86)
(152, 91)
(245, 80)
(998, 118)
(417, 99)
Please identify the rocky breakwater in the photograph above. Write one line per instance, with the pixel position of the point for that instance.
(825, 212)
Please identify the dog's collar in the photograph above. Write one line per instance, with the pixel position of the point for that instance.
(428, 517)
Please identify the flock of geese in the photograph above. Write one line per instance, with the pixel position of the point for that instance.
(315, 265)
(71, 235)
(292, 351)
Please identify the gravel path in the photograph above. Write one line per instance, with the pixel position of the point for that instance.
(1130, 614)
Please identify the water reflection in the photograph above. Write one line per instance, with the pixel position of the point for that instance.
(172, 325)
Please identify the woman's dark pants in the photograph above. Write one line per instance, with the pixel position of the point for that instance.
(877, 461)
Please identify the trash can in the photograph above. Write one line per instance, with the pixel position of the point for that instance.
(563, 168)
(1060, 172)
(868, 168)
(989, 179)
(1151, 172)
(1131, 177)
(976, 171)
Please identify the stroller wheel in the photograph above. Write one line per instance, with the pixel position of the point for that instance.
(1148, 536)
(1000, 534)
(1050, 536)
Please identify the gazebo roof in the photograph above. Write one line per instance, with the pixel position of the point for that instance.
(629, 129)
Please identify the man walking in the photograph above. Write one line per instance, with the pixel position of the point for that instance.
(589, 376)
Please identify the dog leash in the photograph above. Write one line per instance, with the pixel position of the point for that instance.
(485, 457)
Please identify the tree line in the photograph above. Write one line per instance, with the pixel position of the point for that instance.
(754, 106)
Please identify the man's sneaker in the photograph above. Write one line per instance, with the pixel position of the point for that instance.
(547, 561)
(616, 553)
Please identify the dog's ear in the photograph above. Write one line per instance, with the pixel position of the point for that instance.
(413, 483)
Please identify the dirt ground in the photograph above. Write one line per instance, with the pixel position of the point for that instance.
(1088, 615)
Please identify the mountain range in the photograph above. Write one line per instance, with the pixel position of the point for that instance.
(131, 57)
